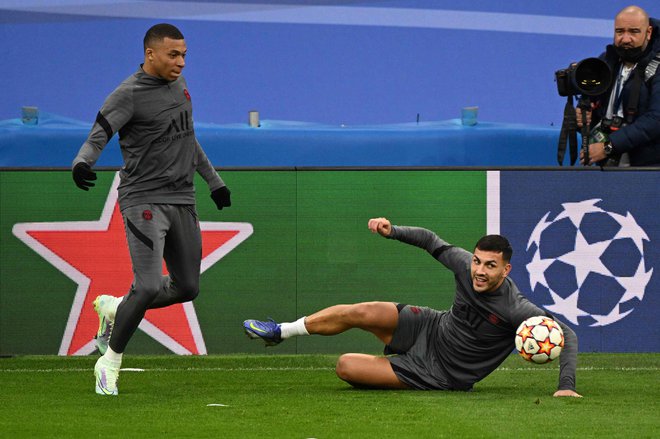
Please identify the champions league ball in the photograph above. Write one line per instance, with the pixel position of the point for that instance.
(539, 339)
(587, 264)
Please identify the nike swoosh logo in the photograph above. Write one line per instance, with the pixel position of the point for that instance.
(103, 389)
(100, 383)
(257, 329)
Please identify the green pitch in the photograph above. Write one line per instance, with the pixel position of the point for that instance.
(298, 396)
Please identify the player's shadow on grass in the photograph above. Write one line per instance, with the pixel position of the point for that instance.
(490, 391)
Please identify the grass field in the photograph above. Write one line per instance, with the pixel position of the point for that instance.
(300, 397)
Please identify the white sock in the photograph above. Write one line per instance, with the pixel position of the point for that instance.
(113, 357)
(293, 329)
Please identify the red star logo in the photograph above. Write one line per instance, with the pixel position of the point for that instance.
(545, 347)
(94, 254)
(525, 332)
(549, 323)
(525, 355)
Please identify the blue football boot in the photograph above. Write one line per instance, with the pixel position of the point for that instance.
(268, 331)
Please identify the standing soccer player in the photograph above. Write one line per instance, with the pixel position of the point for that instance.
(152, 112)
(443, 350)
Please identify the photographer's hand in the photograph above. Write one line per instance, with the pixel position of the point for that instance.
(578, 116)
(596, 153)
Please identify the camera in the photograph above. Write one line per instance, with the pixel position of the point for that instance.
(601, 132)
(591, 77)
(613, 124)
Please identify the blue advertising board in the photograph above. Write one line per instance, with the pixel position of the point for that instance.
(587, 251)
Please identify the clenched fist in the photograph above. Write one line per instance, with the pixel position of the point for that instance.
(382, 226)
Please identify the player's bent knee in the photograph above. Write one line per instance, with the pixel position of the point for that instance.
(351, 368)
(343, 368)
(366, 371)
(187, 291)
(146, 292)
(189, 295)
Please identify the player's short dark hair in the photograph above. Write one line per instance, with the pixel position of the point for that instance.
(159, 32)
(497, 244)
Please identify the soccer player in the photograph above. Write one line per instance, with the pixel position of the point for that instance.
(429, 349)
(152, 112)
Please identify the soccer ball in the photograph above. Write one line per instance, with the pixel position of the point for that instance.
(539, 339)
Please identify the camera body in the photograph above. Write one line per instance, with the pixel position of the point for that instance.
(563, 79)
(601, 132)
(612, 124)
(591, 77)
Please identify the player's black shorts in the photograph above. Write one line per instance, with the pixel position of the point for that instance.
(414, 361)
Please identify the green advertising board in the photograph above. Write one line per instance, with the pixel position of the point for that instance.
(293, 241)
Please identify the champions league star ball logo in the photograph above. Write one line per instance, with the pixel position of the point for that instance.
(587, 264)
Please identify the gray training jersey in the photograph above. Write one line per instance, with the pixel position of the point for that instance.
(153, 117)
(478, 333)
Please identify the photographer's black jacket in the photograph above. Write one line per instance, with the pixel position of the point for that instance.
(640, 139)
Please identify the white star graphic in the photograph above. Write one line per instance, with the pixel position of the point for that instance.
(613, 316)
(535, 237)
(586, 258)
(636, 284)
(630, 229)
(576, 211)
(567, 307)
(536, 269)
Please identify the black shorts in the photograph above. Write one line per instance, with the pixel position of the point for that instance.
(412, 352)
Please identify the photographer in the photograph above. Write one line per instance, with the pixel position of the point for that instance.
(625, 121)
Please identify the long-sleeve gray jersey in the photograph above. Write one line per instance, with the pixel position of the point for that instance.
(161, 153)
(478, 333)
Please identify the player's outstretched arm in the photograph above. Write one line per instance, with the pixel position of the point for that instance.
(567, 362)
(572, 393)
(382, 226)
